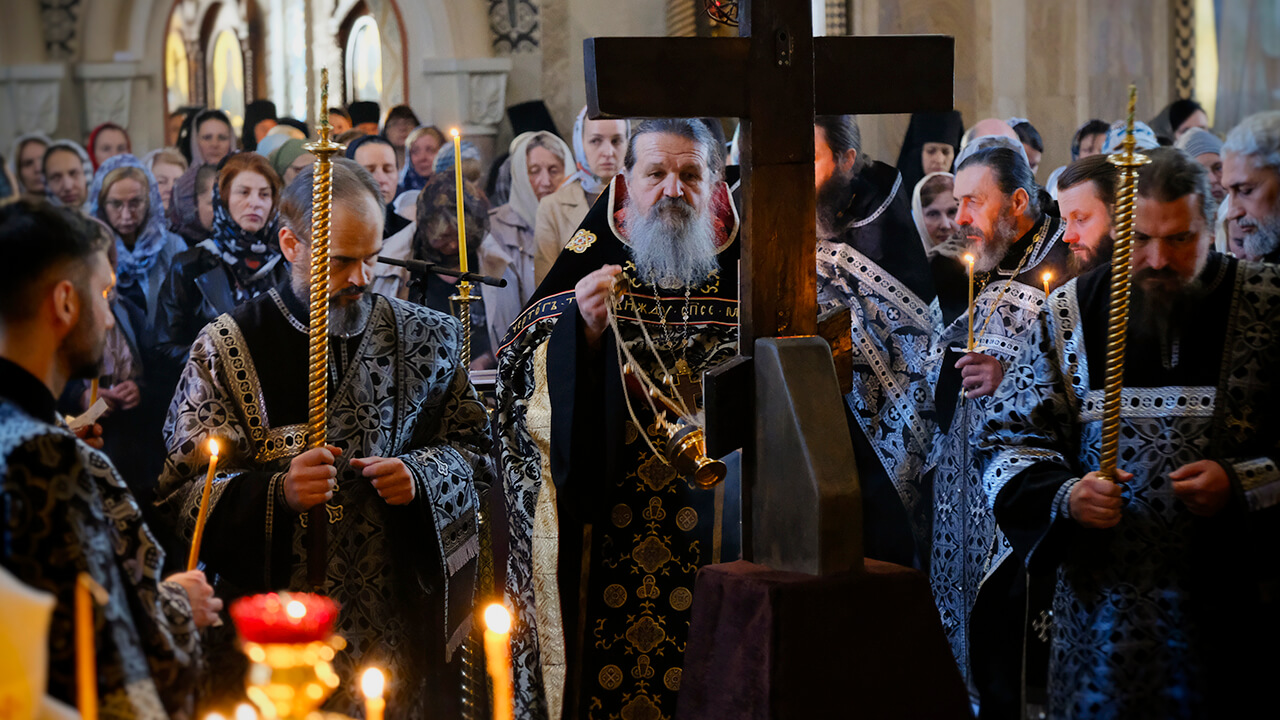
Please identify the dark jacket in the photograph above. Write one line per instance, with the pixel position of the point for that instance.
(199, 289)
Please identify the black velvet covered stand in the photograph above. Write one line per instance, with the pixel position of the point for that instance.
(772, 645)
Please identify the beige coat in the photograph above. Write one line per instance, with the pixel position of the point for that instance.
(559, 215)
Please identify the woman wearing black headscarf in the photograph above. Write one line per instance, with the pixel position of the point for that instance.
(930, 145)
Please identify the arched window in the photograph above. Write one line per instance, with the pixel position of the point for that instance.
(177, 73)
(226, 73)
(364, 61)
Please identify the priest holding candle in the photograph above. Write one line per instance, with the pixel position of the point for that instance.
(391, 481)
(121, 639)
(988, 306)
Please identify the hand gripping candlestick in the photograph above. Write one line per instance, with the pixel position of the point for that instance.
(318, 349)
(1128, 161)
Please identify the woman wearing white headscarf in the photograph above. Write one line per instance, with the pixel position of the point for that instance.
(599, 147)
(25, 161)
(933, 207)
(538, 162)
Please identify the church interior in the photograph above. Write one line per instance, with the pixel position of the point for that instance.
(545, 421)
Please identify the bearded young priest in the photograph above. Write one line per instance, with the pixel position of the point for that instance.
(606, 537)
(407, 435)
(1165, 605)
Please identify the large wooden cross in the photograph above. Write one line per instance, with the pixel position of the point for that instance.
(775, 77)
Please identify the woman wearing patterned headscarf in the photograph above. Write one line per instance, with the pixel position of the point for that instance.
(239, 260)
(125, 197)
(420, 150)
(599, 147)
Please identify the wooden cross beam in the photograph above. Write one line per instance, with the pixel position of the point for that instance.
(776, 77)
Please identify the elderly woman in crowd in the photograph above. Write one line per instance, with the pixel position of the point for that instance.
(400, 121)
(27, 163)
(67, 171)
(599, 148)
(166, 166)
(125, 198)
(238, 261)
(106, 141)
(205, 140)
(421, 148)
(538, 161)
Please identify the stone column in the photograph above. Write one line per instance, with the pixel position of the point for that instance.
(468, 93)
(108, 91)
(30, 99)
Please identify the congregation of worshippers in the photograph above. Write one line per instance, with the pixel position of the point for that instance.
(159, 298)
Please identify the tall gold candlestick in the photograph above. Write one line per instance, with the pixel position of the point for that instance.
(497, 648)
(969, 259)
(1128, 161)
(86, 660)
(318, 348)
(194, 558)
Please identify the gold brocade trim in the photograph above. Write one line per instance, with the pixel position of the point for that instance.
(546, 545)
(269, 443)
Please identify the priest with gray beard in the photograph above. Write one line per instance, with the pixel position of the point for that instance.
(606, 536)
(407, 438)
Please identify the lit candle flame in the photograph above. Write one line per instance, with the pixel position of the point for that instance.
(245, 711)
(454, 132)
(295, 609)
(213, 447)
(969, 259)
(372, 683)
(214, 716)
(1048, 276)
(497, 619)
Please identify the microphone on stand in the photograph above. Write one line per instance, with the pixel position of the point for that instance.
(421, 266)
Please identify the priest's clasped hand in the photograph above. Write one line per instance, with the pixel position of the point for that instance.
(1203, 486)
(311, 478)
(1096, 502)
(389, 477)
(979, 374)
(592, 295)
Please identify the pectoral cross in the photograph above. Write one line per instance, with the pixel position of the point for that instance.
(686, 385)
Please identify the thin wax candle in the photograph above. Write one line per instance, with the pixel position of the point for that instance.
(462, 214)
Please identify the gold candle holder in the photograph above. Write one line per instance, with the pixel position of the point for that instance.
(290, 680)
(1128, 161)
(318, 347)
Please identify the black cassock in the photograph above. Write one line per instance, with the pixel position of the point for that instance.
(603, 557)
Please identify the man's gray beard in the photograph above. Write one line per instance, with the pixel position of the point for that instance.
(1264, 239)
(673, 242)
(345, 319)
(989, 252)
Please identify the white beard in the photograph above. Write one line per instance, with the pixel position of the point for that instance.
(1263, 239)
(673, 245)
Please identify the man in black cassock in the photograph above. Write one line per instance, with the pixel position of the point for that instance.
(1165, 600)
(606, 537)
(407, 435)
(870, 261)
(64, 510)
